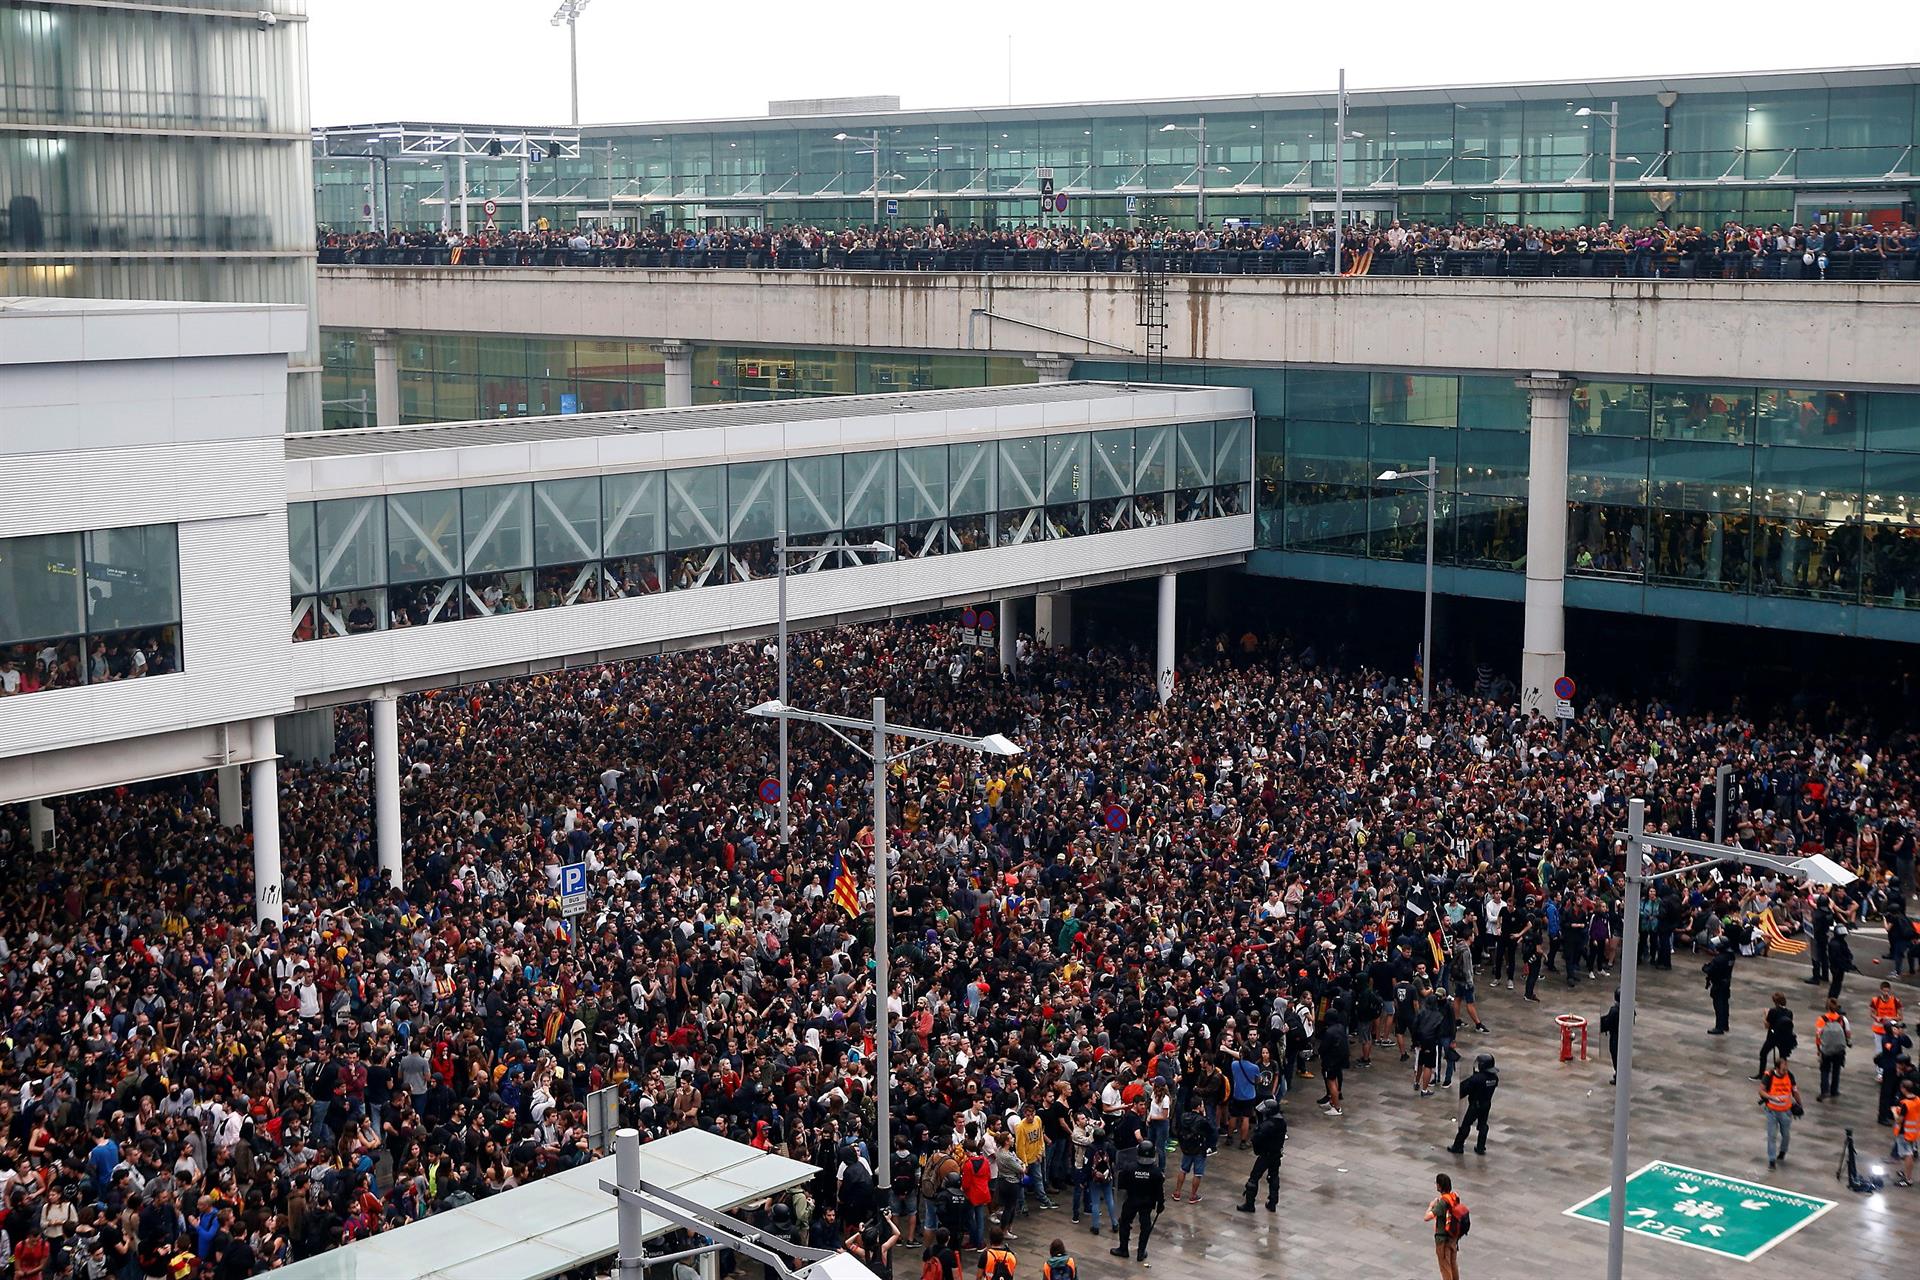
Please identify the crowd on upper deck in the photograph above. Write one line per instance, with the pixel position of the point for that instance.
(1402, 246)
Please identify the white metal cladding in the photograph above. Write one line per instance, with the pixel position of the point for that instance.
(351, 662)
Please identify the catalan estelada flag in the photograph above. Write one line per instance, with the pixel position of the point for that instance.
(840, 885)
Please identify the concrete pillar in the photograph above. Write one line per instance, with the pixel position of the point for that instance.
(307, 737)
(386, 379)
(1053, 619)
(1009, 633)
(1050, 367)
(268, 902)
(231, 815)
(385, 713)
(1543, 646)
(679, 358)
(1167, 658)
(40, 826)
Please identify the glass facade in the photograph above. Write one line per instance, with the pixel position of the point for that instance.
(88, 608)
(414, 559)
(463, 377)
(158, 152)
(1756, 147)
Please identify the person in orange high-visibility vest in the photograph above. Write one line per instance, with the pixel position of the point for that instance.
(1906, 1131)
(1780, 1098)
(1885, 1008)
(1832, 1037)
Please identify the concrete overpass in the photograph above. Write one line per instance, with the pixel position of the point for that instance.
(1819, 334)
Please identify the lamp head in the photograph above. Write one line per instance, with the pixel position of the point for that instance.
(768, 710)
(1822, 870)
(1388, 475)
(1168, 128)
(879, 548)
(840, 137)
(1584, 111)
(997, 745)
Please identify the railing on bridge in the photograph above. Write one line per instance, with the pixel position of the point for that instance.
(1609, 264)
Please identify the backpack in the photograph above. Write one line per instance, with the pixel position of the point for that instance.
(1059, 1269)
(1459, 1221)
(932, 1270)
(1831, 1039)
(1001, 1269)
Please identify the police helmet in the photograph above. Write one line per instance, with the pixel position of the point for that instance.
(1483, 1063)
(1146, 1151)
(953, 1181)
(1267, 1108)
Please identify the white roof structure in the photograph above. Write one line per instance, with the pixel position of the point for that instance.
(557, 1223)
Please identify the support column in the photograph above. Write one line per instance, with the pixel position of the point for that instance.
(1009, 634)
(231, 815)
(526, 214)
(268, 902)
(679, 358)
(463, 191)
(1050, 367)
(40, 826)
(385, 713)
(1053, 619)
(1167, 658)
(1543, 646)
(386, 379)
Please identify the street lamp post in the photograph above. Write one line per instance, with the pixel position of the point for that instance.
(1814, 869)
(1429, 480)
(569, 13)
(1612, 116)
(781, 550)
(872, 140)
(1720, 803)
(1199, 132)
(992, 744)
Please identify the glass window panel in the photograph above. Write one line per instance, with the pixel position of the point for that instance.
(350, 535)
(1607, 469)
(1270, 460)
(1489, 532)
(40, 592)
(696, 515)
(1703, 413)
(499, 534)
(1327, 395)
(1607, 541)
(1700, 549)
(566, 521)
(1021, 465)
(753, 495)
(1152, 459)
(922, 483)
(1700, 477)
(423, 537)
(1610, 409)
(1830, 419)
(1493, 462)
(1327, 487)
(635, 513)
(813, 495)
(1817, 484)
(1494, 404)
(1112, 463)
(971, 479)
(867, 479)
(1193, 455)
(1067, 468)
(133, 577)
(1795, 557)
(1893, 421)
(1233, 451)
(302, 566)
(1418, 400)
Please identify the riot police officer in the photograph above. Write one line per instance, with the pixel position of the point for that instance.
(1477, 1091)
(1269, 1144)
(1719, 972)
(1144, 1187)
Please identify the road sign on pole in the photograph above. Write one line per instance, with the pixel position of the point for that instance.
(1563, 688)
(893, 208)
(573, 889)
(1116, 818)
(1133, 205)
(1708, 1211)
(770, 792)
(1563, 710)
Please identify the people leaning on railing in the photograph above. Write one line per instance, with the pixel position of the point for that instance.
(1817, 251)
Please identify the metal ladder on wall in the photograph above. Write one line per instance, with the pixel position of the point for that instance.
(1150, 302)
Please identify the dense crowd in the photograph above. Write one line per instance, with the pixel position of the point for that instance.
(1402, 246)
(1310, 867)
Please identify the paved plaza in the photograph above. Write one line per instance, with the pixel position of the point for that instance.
(1353, 1190)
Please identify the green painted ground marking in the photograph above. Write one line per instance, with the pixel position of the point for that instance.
(1728, 1216)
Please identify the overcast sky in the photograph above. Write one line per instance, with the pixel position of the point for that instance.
(501, 62)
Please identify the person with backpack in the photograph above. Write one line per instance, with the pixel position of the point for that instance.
(1780, 1035)
(1832, 1035)
(941, 1259)
(1269, 1146)
(998, 1262)
(1197, 1141)
(1450, 1225)
(1060, 1263)
(1145, 1198)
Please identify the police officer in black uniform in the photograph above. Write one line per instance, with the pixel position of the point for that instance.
(1477, 1091)
(1822, 930)
(1719, 971)
(1269, 1144)
(956, 1215)
(1144, 1188)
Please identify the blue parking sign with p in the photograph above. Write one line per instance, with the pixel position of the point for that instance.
(573, 878)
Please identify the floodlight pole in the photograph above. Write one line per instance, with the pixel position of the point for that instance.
(882, 1050)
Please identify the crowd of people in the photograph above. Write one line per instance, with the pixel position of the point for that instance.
(1400, 246)
(1312, 876)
